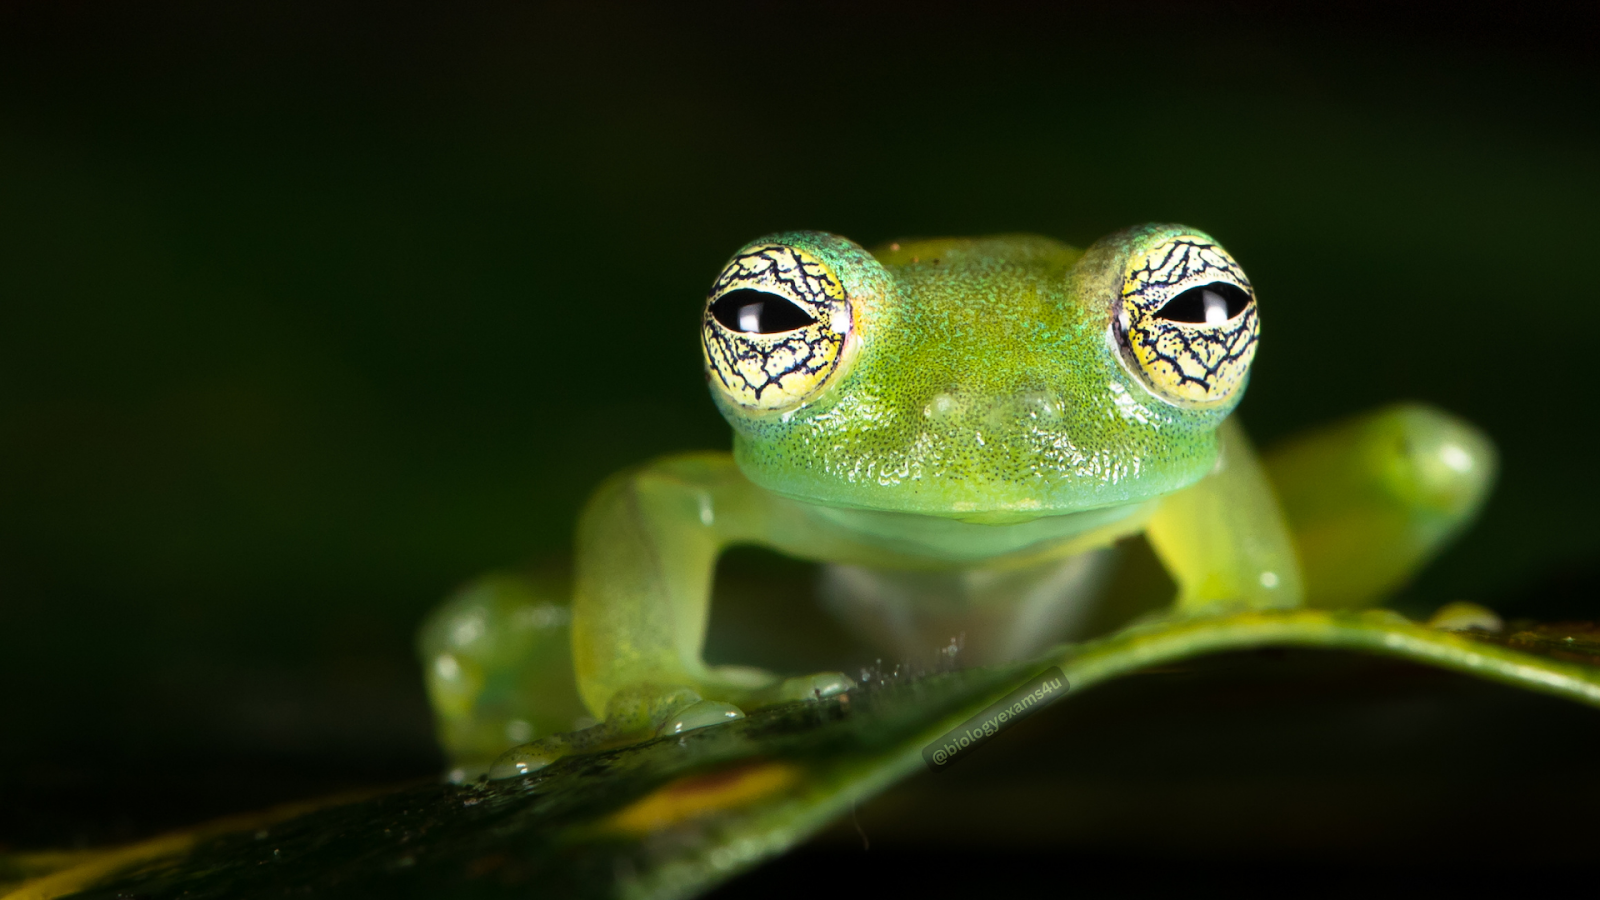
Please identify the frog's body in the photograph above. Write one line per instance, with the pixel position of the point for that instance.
(985, 413)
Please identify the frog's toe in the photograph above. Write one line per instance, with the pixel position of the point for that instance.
(633, 714)
(812, 687)
(525, 759)
(1463, 616)
(643, 709)
(700, 715)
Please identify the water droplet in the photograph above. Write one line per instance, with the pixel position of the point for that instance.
(701, 715)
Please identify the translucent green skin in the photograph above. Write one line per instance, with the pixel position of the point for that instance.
(981, 421)
(987, 387)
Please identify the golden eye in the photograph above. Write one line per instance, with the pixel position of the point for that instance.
(1187, 320)
(775, 327)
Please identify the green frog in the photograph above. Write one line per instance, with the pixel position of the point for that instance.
(961, 431)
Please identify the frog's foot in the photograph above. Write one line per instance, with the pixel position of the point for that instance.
(1463, 616)
(752, 688)
(525, 759)
(632, 715)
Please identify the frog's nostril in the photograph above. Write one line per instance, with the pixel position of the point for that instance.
(942, 407)
(1034, 408)
(1003, 410)
(1040, 405)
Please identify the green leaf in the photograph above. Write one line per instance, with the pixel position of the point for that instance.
(675, 816)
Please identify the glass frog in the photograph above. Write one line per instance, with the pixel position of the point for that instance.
(958, 430)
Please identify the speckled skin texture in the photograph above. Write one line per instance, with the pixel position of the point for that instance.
(981, 381)
(776, 371)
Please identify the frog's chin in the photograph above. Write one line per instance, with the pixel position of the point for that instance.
(967, 513)
(1004, 516)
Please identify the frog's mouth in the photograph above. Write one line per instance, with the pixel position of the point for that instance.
(1027, 511)
(972, 474)
(946, 539)
(923, 506)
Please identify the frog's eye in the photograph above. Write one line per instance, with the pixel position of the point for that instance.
(1186, 319)
(775, 326)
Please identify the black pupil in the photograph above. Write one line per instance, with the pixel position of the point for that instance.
(1209, 303)
(758, 312)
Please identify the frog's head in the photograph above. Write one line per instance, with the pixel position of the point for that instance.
(990, 379)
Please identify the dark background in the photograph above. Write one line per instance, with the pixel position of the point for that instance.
(311, 311)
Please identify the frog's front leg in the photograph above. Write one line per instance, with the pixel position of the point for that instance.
(646, 550)
(647, 546)
(1224, 539)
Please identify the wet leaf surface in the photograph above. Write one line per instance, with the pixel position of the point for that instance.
(1576, 641)
(677, 816)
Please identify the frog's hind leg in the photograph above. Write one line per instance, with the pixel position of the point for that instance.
(497, 658)
(1371, 499)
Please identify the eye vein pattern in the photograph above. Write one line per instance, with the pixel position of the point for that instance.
(772, 371)
(1194, 361)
